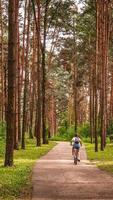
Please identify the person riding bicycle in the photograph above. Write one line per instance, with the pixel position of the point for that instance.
(76, 144)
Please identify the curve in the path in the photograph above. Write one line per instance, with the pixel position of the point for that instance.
(55, 177)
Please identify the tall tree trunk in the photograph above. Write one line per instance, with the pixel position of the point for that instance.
(2, 64)
(16, 78)
(102, 62)
(44, 74)
(38, 122)
(38, 99)
(75, 79)
(33, 84)
(91, 88)
(24, 124)
(95, 80)
(10, 119)
(19, 91)
(111, 96)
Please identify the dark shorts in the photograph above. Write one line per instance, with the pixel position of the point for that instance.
(76, 146)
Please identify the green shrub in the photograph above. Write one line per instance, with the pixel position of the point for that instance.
(2, 130)
(67, 134)
(62, 130)
(110, 128)
(70, 132)
(86, 139)
(59, 138)
(64, 134)
(84, 130)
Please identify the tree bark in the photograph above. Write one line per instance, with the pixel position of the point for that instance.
(10, 119)
(26, 82)
(16, 78)
(44, 74)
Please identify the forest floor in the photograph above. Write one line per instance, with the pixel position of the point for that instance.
(55, 177)
(15, 182)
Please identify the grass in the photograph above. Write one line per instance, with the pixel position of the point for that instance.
(15, 182)
(103, 159)
(60, 138)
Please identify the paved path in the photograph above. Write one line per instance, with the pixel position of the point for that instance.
(55, 177)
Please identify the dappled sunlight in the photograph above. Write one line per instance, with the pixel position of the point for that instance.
(23, 160)
(106, 155)
(106, 166)
(106, 163)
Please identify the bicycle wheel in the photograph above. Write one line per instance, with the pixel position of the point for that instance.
(75, 160)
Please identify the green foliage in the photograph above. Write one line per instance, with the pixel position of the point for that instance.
(67, 133)
(110, 128)
(103, 159)
(62, 130)
(71, 132)
(84, 130)
(16, 181)
(2, 138)
(2, 130)
(2, 148)
(86, 139)
(59, 138)
(60, 80)
(64, 134)
(63, 122)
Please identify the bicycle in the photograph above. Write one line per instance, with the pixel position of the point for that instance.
(75, 160)
(75, 156)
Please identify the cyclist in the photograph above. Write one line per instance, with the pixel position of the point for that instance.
(76, 144)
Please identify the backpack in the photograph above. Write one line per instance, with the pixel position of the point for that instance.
(76, 140)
